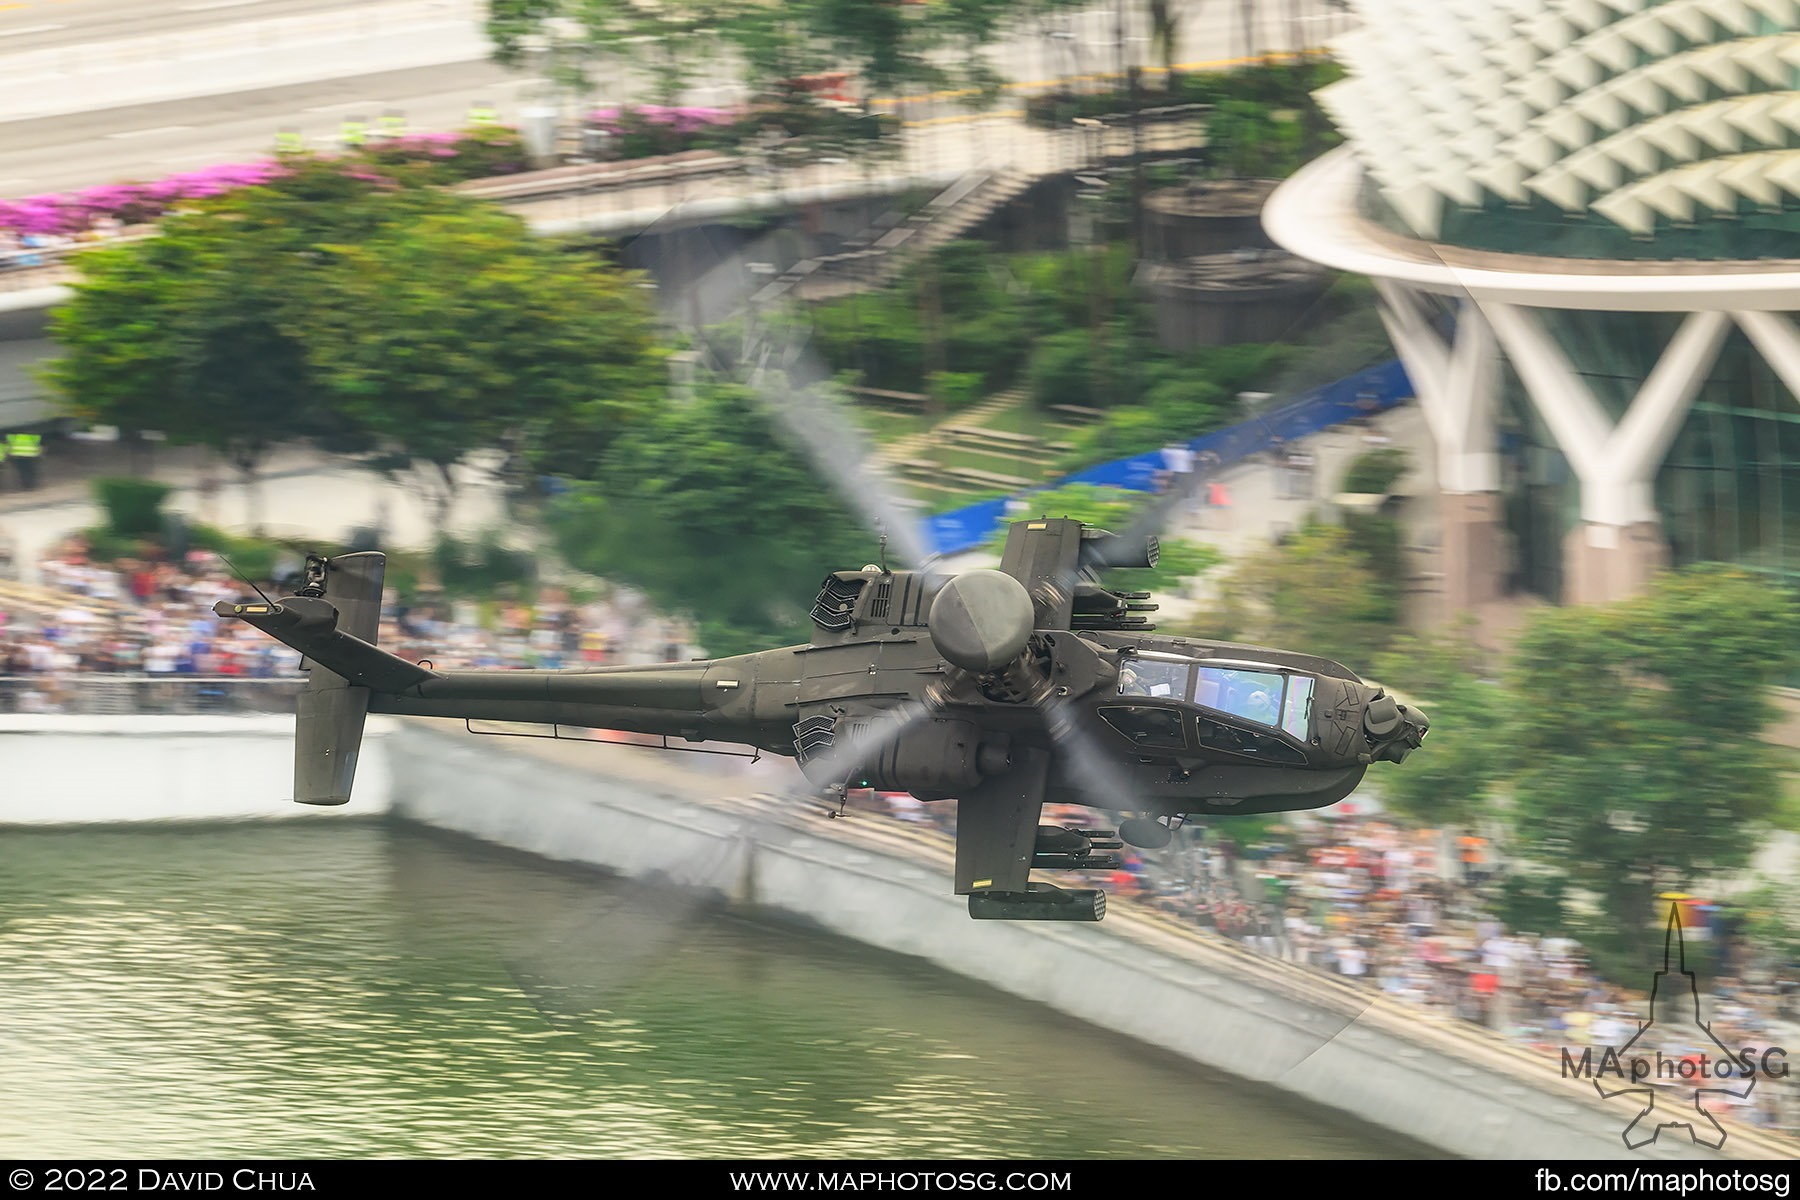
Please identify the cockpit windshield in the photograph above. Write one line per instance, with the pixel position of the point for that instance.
(1275, 699)
(1270, 698)
(1147, 675)
(1253, 695)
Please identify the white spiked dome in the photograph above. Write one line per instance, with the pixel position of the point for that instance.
(1639, 111)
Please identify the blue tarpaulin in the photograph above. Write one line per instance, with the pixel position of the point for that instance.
(1375, 389)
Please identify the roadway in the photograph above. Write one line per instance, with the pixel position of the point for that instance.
(150, 140)
(42, 24)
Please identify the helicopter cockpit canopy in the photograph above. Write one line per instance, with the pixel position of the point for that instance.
(1253, 692)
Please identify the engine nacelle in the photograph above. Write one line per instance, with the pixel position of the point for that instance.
(937, 757)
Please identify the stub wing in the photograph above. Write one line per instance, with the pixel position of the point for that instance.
(997, 827)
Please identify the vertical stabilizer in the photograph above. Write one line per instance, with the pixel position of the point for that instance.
(328, 727)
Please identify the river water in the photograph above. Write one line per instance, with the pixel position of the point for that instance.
(350, 989)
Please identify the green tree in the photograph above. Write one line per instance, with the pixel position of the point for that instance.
(1375, 472)
(512, 24)
(671, 39)
(1770, 916)
(1444, 673)
(460, 330)
(707, 507)
(575, 42)
(893, 48)
(118, 364)
(1636, 764)
(1165, 35)
(1314, 593)
(1254, 141)
(196, 332)
(333, 304)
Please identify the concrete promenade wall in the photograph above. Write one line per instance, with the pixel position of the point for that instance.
(1440, 1082)
(63, 770)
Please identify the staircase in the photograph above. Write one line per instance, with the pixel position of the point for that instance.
(885, 248)
(917, 447)
(1022, 461)
(997, 441)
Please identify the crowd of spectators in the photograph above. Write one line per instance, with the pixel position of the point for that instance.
(1409, 913)
(21, 249)
(153, 619)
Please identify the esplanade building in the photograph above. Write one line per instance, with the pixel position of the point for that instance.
(1583, 219)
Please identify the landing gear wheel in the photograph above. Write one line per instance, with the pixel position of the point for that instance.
(1146, 833)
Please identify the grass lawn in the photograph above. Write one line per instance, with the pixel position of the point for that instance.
(945, 501)
(1026, 418)
(885, 425)
(945, 497)
(888, 424)
(1021, 464)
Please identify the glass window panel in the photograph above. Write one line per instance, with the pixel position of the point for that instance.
(1296, 714)
(1155, 677)
(1252, 695)
(1246, 743)
(1148, 726)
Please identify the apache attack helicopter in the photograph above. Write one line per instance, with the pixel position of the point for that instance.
(1005, 689)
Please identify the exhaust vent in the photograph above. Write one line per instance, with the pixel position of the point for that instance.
(813, 736)
(836, 600)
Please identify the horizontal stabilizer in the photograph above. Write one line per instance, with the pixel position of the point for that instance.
(310, 625)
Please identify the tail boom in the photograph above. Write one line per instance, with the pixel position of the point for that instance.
(352, 676)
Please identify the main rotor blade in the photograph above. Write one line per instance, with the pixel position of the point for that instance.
(774, 357)
(838, 451)
(1155, 519)
(1096, 773)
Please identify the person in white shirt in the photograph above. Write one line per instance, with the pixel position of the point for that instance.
(159, 658)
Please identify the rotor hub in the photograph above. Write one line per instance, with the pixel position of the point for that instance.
(981, 620)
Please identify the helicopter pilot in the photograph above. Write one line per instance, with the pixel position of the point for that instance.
(1129, 685)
